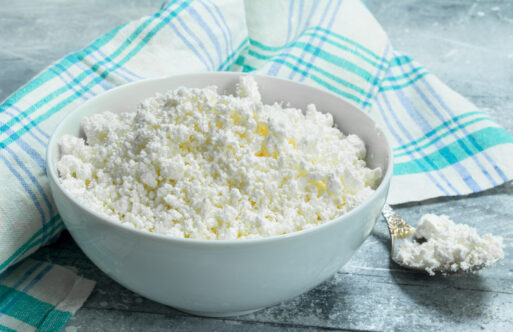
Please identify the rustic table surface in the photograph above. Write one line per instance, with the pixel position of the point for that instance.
(468, 44)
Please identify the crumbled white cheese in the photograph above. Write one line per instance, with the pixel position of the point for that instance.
(449, 247)
(192, 163)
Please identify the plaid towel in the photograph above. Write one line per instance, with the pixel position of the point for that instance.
(443, 145)
(40, 296)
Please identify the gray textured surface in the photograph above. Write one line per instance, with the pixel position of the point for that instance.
(468, 44)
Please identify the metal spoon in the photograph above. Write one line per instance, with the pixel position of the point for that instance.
(401, 232)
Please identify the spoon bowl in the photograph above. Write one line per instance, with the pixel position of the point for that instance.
(401, 233)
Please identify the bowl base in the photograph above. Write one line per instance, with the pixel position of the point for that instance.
(219, 314)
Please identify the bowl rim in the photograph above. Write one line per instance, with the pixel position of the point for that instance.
(53, 177)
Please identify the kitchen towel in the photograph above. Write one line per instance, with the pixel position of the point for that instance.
(37, 296)
(442, 144)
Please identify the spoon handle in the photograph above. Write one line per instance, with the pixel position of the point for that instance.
(397, 227)
(387, 211)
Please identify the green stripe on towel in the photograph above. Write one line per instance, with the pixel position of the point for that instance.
(454, 153)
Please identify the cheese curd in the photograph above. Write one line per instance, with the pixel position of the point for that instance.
(449, 247)
(192, 163)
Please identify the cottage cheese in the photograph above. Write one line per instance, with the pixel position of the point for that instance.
(192, 163)
(449, 247)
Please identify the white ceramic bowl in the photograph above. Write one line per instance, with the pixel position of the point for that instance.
(224, 277)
